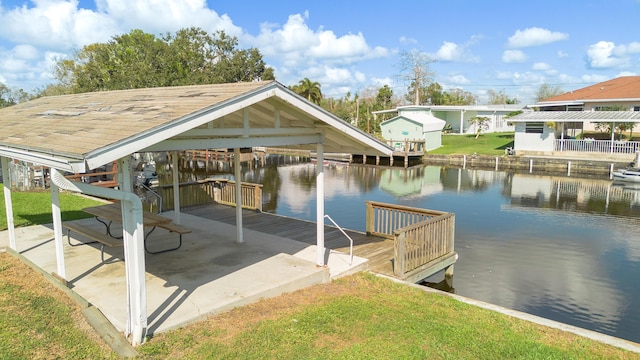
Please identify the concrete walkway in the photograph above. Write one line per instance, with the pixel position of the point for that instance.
(210, 273)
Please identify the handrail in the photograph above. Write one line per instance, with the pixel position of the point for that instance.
(345, 234)
(158, 196)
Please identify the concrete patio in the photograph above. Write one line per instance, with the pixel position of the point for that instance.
(210, 273)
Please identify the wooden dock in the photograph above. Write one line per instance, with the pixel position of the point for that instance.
(377, 249)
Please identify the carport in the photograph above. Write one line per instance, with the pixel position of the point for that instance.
(81, 132)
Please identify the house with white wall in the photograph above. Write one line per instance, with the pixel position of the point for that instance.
(458, 118)
(557, 121)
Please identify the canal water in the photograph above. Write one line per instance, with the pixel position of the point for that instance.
(564, 248)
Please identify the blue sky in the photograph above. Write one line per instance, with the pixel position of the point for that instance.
(354, 46)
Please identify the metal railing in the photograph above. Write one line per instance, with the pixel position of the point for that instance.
(345, 234)
(598, 146)
(420, 236)
(147, 204)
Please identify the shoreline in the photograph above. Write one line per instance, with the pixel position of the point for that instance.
(550, 165)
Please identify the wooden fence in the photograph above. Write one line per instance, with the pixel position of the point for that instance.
(421, 236)
(209, 191)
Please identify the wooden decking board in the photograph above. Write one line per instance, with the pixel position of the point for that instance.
(378, 250)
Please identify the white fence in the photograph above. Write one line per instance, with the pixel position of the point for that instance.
(597, 146)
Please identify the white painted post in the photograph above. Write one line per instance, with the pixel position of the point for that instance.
(496, 163)
(530, 166)
(611, 171)
(57, 230)
(133, 233)
(320, 205)
(6, 181)
(237, 175)
(464, 161)
(568, 168)
(176, 187)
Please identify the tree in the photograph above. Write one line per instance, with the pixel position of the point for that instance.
(546, 91)
(481, 123)
(309, 90)
(9, 96)
(501, 98)
(137, 60)
(415, 69)
(458, 97)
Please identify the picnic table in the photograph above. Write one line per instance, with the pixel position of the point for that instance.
(112, 213)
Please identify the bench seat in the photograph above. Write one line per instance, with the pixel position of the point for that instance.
(94, 235)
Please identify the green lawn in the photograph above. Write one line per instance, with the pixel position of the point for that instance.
(486, 144)
(34, 207)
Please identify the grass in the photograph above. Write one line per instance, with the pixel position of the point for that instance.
(486, 144)
(357, 317)
(38, 321)
(34, 207)
(367, 317)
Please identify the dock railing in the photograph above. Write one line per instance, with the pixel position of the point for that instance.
(420, 236)
(209, 191)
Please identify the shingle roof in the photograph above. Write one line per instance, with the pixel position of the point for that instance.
(625, 87)
(93, 129)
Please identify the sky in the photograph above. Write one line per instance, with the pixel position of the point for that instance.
(353, 46)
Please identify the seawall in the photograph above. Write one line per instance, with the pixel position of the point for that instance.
(533, 164)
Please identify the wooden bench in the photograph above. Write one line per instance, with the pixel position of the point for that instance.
(172, 227)
(94, 235)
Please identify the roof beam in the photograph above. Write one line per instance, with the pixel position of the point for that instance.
(217, 132)
(56, 162)
(237, 142)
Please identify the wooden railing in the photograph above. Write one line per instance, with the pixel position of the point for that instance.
(212, 191)
(420, 236)
(251, 195)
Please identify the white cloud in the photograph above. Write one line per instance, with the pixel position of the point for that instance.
(541, 66)
(605, 54)
(157, 16)
(592, 78)
(296, 43)
(407, 41)
(562, 54)
(514, 56)
(450, 51)
(458, 79)
(534, 37)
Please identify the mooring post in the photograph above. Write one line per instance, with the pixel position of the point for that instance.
(496, 163)
(611, 171)
(464, 161)
(448, 275)
(568, 168)
(530, 166)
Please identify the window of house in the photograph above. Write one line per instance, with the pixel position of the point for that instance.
(636, 108)
(534, 127)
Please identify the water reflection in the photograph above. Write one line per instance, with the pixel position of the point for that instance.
(563, 248)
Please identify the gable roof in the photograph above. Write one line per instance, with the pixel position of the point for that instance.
(621, 88)
(84, 131)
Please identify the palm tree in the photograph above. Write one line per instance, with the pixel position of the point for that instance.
(309, 89)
